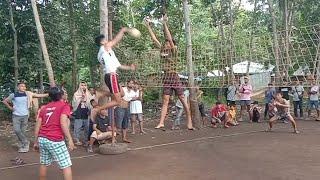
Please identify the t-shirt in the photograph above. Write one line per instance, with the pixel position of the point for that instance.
(108, 60)
(231, 93)
(245, 92)
(128, 94)
(216, 111)
(102, 123)
(136, 106)
(269, 94)
(20, 103)
(50, 124)
(314, 96)
(186, 94)
(82, 111)
(297, 92)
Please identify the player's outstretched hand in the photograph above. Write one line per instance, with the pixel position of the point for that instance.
(165, 18)
(133, 67)
(147, 20)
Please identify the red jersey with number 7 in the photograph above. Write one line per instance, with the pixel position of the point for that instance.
(50, 115)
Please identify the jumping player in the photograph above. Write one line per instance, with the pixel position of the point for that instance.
(171, 80)
(51, 128)
(110, 62)
(282, 113)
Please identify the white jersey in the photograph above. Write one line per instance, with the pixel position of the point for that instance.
(128, 94)
(136, 106)
(109, 60)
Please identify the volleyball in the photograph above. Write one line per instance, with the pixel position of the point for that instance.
(134, 32)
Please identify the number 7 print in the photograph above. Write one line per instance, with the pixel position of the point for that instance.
(48, 114)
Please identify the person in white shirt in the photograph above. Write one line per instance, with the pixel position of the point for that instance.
(136, 108)
(110, 62)
(314, 99)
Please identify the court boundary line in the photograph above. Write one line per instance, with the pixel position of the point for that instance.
(151, 146)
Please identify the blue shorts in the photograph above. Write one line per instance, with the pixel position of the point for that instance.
(313, 104)
(54, 151)
(122, 117)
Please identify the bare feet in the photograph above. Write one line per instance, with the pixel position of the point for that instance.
(214, 126)
(192, 128)
(269, 130)
(126, 141)
(159, 126)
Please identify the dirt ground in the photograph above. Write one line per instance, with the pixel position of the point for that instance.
(245, 152)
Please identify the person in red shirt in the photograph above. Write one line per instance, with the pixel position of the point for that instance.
(219, 113)
(51, 128)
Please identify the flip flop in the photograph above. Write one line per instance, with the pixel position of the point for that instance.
(191, 129)
(18, 162)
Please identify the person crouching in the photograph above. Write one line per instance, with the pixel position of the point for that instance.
(220, 114)
(101, 129)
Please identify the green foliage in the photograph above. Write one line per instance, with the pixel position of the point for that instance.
(206, 16)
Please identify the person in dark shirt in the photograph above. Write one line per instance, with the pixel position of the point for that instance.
(81, 106)
(102, 129)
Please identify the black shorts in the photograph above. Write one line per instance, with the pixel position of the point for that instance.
(111, 80)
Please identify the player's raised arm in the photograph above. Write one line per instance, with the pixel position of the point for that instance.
(152, 34)
(117, 38)
(167, 32)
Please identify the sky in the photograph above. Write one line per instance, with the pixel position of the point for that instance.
(246, 5)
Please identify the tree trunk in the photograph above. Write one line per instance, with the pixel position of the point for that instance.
(286, 25)
(72, 30)
(232, 12)
(252, 48)
(278, 76)
(15, 46)
(40, 72)
(43, 43)
(193, 97)
(104, 22)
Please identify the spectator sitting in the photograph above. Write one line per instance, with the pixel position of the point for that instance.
(233, 115)
(220, 114)
(102, 129)
(255, 111)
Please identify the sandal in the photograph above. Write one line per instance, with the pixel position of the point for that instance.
(17, 161)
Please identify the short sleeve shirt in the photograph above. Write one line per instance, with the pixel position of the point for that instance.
(109, 60)
(231, 93)
(315, 95)
(128, 94)
(102, 123)
(20, 103)
(50, 115)
(245, 92)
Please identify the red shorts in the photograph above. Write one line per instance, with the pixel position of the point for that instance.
(172, 83)
(112, 83)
